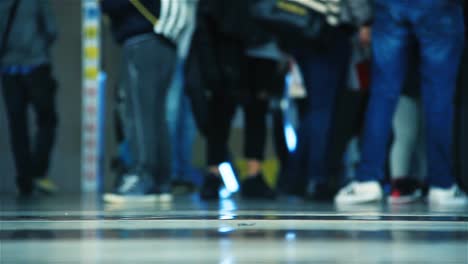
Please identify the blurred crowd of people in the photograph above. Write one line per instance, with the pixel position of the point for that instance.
(385, 79)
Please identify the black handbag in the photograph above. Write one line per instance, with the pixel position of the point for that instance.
(297, 23)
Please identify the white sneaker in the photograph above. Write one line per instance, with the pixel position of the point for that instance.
(453, 196)
(359, 192)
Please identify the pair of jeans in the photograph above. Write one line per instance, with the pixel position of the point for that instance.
(437, 26)
(181, 127)
(325, 73)
(148, 66)
(37, 89)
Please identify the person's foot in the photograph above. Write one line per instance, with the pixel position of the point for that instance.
(453, 196)
(210, 187)
(320, 192)
(25, 186)
(255, 187)
(46, 185)
(25, 193)
(163, 193)
(404, 190)
(132, 188)
(360, 192)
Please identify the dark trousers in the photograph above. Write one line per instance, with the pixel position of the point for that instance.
(325, 74)
(461, 124)
(263, 76)
(222, 109)
(36, 89)
(148, 66)
(438, 28)
(347, 122)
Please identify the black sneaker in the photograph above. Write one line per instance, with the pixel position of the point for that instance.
(321, 192)
(256, 188)
(25, 186)
(132, 188)
(404, 190)
(210, 188)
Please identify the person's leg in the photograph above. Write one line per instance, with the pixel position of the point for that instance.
(42, 92)
(174, 107)
(347, 121)
(390, 50)
(221, 109)
(149, 68)
(265, 78)
(389, 46)
(163, 68)
(255, 134)
(42, 89)
(324, 74)
(255, 110)
(281, 149)
(16, 103)
(186, 135)
(440, 33)
(255, 186)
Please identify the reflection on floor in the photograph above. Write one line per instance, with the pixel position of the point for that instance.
(84, 230)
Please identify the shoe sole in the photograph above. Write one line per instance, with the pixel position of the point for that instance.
(364, 200)
(438, 204)
(164, 198)
(114, 198)
(46, 189)
(405, 199)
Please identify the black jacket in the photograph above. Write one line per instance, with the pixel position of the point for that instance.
(127, 21)
(217, 60)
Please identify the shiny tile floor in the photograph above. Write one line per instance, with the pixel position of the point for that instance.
(68, 229)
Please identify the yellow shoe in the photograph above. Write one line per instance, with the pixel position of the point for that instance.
(46, 185)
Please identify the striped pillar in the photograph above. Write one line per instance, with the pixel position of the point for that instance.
(93, 91)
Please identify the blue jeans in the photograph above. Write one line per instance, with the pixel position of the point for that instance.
(182, 129)
(325, 72)
(437, 26)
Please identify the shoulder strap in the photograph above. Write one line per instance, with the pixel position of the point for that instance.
(329, 8)
(9, 25)
(144, 11)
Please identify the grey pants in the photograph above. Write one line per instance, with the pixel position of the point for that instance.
(148, 67)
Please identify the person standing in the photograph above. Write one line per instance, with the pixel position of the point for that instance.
(325, 70)
(438, 27)
(27, 81)
(148, 31)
